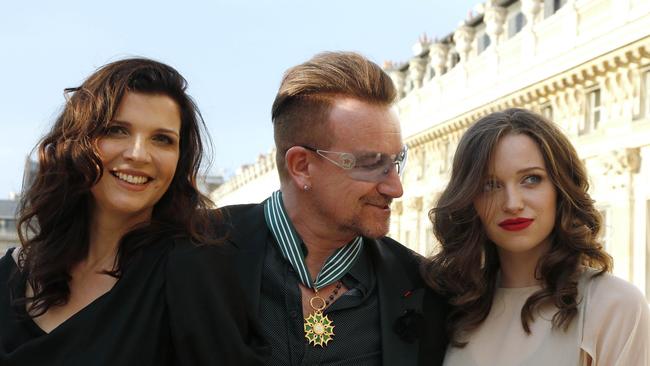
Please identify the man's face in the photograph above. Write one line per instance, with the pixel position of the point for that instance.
(351, 206)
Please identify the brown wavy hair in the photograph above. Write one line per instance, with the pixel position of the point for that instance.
(53, 219)
(466, 268)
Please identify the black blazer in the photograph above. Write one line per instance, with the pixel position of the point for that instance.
(412, 315)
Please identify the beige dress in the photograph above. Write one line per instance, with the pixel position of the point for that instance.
(612, 328)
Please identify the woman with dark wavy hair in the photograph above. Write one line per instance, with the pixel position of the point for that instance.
(520, 257)
(110, 271)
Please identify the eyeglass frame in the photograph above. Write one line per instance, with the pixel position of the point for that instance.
(348, 161)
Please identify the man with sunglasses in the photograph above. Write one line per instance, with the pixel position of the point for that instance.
(329, 287)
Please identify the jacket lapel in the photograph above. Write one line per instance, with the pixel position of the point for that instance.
(249, 234)
(396, 295)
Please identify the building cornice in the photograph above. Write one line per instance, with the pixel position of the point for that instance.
(265, 164)
(636, 53)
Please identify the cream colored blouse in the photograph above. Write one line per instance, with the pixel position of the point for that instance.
(612, 328)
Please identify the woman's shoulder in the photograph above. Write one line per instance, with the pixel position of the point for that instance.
(613, 301)
(184, 247)
(10, 258)
(8, 270)
(616, 327)
(191, 256)
(200, 271)
(607, 289)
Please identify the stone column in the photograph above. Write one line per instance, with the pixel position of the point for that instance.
(438, 56)
(415, 207)
(418, 64)
(417, 67)
(397, 76)
(396, 220)
(532, 11)
(570, 25)
(619, 168)
(630, 91)
(494, 18)
(430, 200)
(575, 105)
(463, 37)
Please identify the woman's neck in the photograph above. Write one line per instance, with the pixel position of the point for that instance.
(519, 269)
(106, 231)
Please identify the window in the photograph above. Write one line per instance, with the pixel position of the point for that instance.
(552, 6)
(594, 111)
(516, 24)
(482, 42)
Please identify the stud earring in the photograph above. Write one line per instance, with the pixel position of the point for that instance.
(306, 188)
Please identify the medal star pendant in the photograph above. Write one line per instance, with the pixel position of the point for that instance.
(319, 329)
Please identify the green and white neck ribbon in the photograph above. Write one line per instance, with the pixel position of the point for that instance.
(335, 267)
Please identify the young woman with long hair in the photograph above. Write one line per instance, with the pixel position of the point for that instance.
(521, 261)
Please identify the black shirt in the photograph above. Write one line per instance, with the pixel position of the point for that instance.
(357, 333)
(176, 304)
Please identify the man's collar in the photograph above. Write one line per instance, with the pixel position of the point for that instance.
(290, 245)
(284, 223)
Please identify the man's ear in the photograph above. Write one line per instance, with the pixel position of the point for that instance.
(297, 160)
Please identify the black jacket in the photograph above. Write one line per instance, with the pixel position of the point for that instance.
(412, 315)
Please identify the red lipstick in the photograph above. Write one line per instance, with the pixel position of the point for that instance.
(515, 224)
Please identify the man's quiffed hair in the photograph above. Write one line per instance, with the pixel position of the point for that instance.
(307, 92)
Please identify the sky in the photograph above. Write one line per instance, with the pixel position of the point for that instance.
(233, 54)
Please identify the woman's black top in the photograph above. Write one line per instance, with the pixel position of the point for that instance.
(175, 304)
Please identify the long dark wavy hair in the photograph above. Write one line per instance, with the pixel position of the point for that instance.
(466, 268)
(54, 213)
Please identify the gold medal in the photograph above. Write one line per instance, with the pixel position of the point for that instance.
(319, 329)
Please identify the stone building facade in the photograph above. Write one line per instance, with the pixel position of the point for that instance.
(8, 233)
(585, 64)
(250, 184)
(9, 208)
